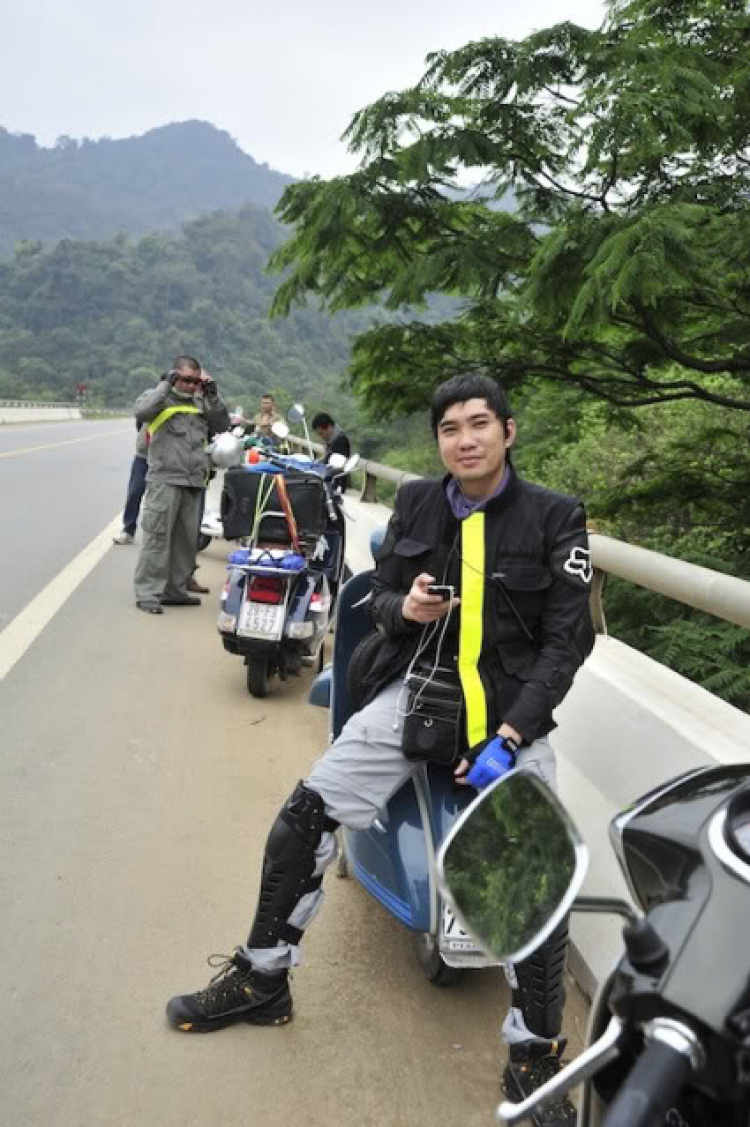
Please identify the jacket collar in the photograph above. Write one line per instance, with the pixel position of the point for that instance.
(498, 502)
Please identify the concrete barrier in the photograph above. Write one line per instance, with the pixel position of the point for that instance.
(627, 725)
(37, 414)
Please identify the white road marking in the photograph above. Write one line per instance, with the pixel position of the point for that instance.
(28, 624)
(66, 442)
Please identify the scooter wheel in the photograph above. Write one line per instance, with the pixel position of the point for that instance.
(258, 675)
(203, 541)
(434, 968)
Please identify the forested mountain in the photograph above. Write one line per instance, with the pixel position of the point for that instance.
(95, 189)
(112, 314)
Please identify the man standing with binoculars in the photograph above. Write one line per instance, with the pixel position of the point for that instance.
(180, 414)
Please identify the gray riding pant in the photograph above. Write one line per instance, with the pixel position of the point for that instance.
(170, 524)
(356, 777)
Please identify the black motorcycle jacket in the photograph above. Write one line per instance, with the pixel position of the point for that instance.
(536, 619)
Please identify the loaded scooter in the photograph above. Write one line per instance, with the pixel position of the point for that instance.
(282, 584)
(227, 451)
(668, 1043)
(395, 859)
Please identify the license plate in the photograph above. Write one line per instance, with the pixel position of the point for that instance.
(261, 620)
(454, 936)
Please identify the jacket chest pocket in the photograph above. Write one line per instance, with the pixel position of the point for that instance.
(413, 555)
(523, 587)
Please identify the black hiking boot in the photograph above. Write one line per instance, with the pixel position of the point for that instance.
(236, 993)
(531, 1064)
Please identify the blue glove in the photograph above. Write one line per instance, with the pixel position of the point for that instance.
(490, 760)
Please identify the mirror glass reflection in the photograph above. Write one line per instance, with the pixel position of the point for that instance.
(511, 864)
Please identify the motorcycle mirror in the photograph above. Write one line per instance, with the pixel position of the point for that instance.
(337, 461)
(296, 413)
(281, 430)
(512, 865)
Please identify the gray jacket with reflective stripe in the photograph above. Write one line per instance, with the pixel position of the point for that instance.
(177, 452)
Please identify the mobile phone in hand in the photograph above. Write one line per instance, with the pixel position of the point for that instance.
(443, 590)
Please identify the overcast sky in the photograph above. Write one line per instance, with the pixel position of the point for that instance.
(283, 77)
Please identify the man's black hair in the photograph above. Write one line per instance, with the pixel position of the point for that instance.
(186, 362)
(322, 419)
(469, 385)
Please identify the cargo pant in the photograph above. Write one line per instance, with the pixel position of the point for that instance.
(170, 522)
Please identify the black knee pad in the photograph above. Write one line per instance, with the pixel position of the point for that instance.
(540, 993)
(288, 866)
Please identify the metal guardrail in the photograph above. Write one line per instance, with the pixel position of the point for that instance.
(717, 594)
(30, 403)
(72, 405)
(723, 596)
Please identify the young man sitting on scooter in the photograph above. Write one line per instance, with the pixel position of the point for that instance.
(511, 625)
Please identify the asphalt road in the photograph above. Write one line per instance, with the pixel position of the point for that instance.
(137, 783)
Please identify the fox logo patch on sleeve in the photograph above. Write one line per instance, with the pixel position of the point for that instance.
(579, 564)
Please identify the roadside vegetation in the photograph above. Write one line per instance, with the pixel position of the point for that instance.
(613, 300)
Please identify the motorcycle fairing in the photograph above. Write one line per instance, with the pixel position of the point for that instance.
(699, 906)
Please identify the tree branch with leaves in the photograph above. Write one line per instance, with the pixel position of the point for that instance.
(621, 265)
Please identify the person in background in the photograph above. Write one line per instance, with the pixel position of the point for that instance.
(136, 489)
(179, 416)
(336, 442)
(266, 417)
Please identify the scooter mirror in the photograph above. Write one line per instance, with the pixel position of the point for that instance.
(351, 463)
(512, 865)
(281, 430)
(337, 461)
(296, 413)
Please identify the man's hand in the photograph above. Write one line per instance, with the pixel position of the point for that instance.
(420, 606)
(464, 766)
(208, 384)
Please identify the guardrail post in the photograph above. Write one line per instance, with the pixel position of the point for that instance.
(370, 489)
(597, 601)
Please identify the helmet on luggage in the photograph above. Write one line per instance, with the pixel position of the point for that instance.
(226, 450)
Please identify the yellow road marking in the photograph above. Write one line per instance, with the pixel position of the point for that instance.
(67, 442)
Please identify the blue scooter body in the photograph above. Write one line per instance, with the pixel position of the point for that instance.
(395, 859)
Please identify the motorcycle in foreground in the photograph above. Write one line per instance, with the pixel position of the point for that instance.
(395, 860)
(280, 595)
(669, 1033)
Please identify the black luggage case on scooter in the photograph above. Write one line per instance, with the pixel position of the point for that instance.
(239, 501)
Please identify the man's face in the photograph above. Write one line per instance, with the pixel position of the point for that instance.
(266, 405)
(188, 381)
(324, 433)
(473, 445)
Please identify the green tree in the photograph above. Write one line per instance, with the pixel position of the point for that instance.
(624, 269)
(673, 479)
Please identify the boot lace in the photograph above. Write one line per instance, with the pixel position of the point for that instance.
(225, 983)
